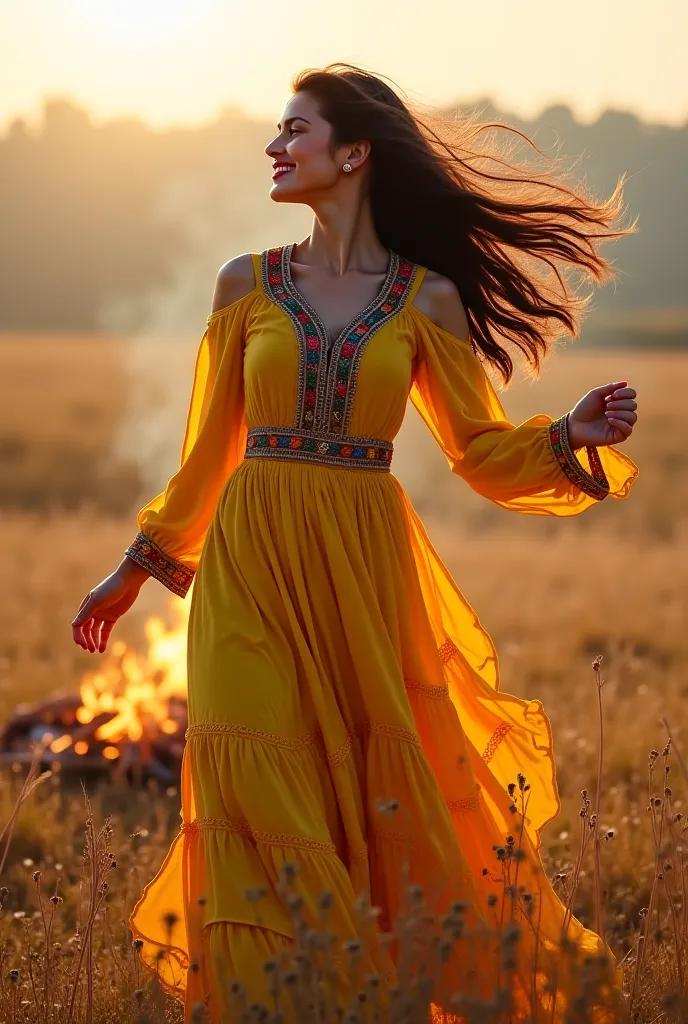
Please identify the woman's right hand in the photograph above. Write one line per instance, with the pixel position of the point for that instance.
(103, 606)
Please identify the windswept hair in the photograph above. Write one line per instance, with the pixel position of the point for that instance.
(448, 195)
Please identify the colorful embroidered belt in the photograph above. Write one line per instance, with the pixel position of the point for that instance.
(319, 446)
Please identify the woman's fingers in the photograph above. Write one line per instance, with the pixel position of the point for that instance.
(105, 630)
(88, 635)
(609, 389)
(622, 414)
(622, 426)
(622, 392)
(82, 624)
(623, 403)
(79, 623)
(78, 636)
(82, 634)
(95, 633)
(620, 409)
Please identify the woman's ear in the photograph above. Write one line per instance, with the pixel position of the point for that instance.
(357, 154)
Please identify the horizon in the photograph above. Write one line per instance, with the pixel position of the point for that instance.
(35, 123)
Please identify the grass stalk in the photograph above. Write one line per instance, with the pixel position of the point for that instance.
(599, 911)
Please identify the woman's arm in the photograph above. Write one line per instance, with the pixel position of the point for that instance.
(530, 467)
(605, 415)
(173, 526)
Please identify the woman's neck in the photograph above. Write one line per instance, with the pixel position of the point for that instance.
(343, 239)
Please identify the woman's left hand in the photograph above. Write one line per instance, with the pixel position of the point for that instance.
(606, 415)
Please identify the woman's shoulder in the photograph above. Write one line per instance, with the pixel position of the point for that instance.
(235, 279)
(439, 300)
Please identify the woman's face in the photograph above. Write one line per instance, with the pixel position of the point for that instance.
(304, 165)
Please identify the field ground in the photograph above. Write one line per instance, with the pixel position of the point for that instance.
(553, 594)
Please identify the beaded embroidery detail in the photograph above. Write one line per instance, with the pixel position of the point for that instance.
(176, 576)
(349, 347)
(318, 446)
(495, 739)
(596, 484)
(466, 803)
(270, 838)
(397, 731)
(341, 753)
(447, 651)
(437, 692)
(325, 395)
(306, 739)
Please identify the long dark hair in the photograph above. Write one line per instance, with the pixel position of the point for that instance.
(510, 238)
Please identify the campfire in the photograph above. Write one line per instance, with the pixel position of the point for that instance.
(129, 714)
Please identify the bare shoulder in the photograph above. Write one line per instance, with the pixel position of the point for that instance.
(439, 300)
(235, 278)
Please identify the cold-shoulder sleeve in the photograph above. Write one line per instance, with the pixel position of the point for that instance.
(529, 467)
(173, 526)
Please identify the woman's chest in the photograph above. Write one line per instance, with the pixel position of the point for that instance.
(292, 377)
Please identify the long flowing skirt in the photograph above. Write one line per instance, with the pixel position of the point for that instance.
(346, 718)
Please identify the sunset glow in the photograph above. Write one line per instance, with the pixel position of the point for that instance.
(139, 23)
(182, 61)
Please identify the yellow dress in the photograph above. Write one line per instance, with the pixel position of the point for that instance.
(332, 661)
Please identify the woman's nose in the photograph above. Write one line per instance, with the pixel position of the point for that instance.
(273, 148)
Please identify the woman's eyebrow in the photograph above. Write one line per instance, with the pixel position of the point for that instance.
(290, 120)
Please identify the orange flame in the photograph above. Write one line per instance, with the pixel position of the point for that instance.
(60, 744)
(136, 687)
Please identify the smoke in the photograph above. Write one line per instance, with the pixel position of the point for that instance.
(160, 352)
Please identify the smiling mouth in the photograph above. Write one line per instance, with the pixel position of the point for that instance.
(281, 170)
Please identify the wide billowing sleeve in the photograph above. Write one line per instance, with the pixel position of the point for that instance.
(529, 467)
(173, 526)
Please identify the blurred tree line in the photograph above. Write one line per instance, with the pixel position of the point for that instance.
(100, 222)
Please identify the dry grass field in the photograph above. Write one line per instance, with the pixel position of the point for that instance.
(553, 595)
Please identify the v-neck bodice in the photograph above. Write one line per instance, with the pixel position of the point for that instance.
(327, 380)
(329, 338)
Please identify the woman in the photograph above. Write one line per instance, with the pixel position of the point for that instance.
(334, 668)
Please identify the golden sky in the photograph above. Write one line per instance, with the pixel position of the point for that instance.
(181, 61)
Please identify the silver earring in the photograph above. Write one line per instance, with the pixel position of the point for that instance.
(346, 167)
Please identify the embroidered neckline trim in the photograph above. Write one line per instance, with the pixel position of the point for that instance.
(330, 343)
(325, 392)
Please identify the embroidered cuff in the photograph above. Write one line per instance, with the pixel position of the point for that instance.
(595, 483)
(176, 576)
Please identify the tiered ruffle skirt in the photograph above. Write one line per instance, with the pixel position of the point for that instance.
(336, 672)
